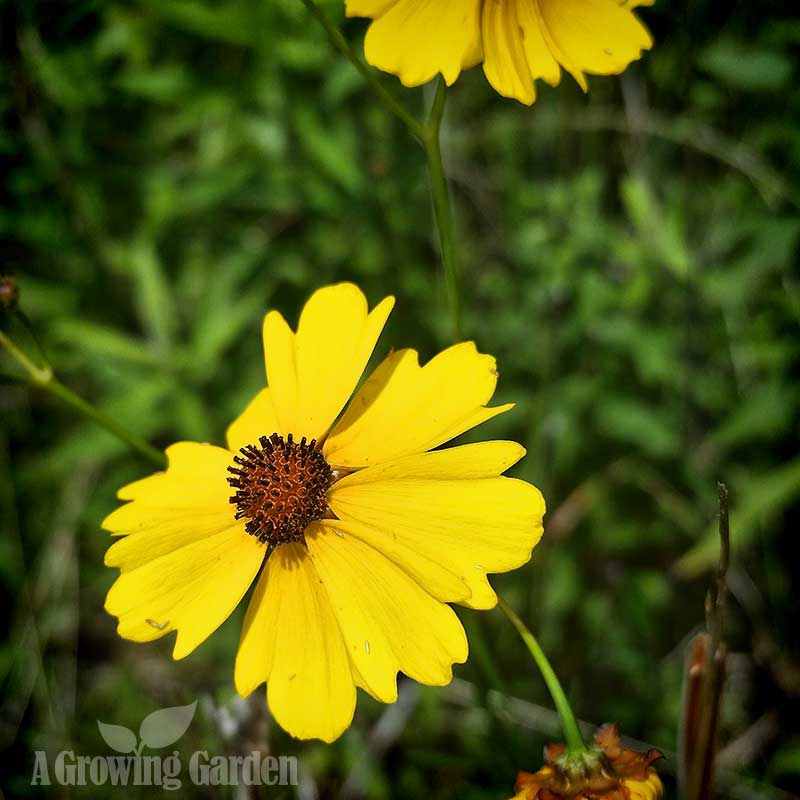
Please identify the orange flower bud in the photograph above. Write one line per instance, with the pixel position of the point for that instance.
(8, 293)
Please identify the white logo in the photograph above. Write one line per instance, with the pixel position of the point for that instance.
(159, 729)
(132, 767)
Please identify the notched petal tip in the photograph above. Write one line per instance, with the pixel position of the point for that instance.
(312, 372)
(183, 647)
(110, 559)
(108, 521)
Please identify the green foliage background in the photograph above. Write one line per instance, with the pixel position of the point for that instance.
(174, 169)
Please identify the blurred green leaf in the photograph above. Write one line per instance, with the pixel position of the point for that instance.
(748, 67)
(663, 232)
(229, 22)
(765, 412)
(153, 296)
(91, 338)
(757, 505)
(332, 148)
(637, 424)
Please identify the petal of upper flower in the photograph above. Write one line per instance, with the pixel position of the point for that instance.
(258, 419)
(540, 60)
(448, 507)
(594, 36)
(418, 39)
(388, 621)
(312, 373)
(403, 408)
(504, 60)
(291, 639)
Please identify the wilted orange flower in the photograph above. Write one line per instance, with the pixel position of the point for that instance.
(606, 772)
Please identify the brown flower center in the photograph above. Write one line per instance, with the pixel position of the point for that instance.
(281, 487)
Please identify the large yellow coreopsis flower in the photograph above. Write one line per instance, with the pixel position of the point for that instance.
(364, 531)
(518, 41)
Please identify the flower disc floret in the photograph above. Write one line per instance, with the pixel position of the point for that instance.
(280, 487)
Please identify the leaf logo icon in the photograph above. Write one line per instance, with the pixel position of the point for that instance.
(165, 726)
(159, 729)
(118, 737)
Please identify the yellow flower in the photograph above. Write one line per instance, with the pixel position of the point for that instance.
(364, 535)
(518, 41)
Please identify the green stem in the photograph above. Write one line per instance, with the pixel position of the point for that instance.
(26, 323)
(429, 137)
(35, 374)
(43, 377)
(386, 97)
(56, 388)
(569, 724)
(442, 211)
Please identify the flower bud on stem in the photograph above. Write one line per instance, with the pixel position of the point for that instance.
(8, 293)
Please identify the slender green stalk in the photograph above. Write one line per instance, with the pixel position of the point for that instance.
(26, 323)
(428, 136)
(43, 377)
(35, 374)
(55, 387)
(384, 95)
(569, 724)
(442, 211)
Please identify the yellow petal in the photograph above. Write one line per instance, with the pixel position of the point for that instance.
(648, 789)
(418, 39)
(477, 460)
(312, 373)
(291, 639)
(191, 589)
(428, 571)
(504, 59)
(187, 502)
(541, 62)
(516, 53)
(188, 463)
(160, 531)
(185, 561)
(595, 36)
(404, 408)
(367, 8)
(388, 621)
(418, 508)
(258, 419)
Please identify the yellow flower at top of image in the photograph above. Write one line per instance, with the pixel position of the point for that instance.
(518, 41)
(361, 529)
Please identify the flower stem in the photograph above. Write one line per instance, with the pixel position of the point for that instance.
(43, 378)
(569, 724)
(442, 211)
(386, 97)
(428, 135)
